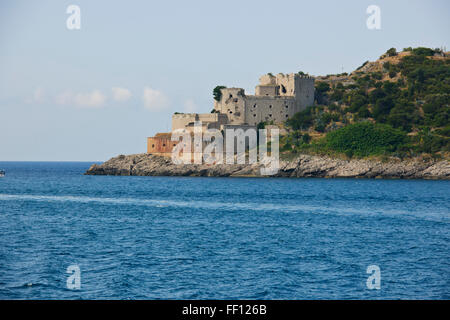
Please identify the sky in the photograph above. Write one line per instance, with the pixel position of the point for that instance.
(92, 93)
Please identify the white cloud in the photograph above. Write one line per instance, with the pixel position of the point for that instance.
(120, 94)
(38, 96)
(190, 106)
(92, 99)
(64, 98)
(154, 100)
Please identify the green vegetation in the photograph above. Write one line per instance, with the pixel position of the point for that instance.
(363, 65)
(402, 110)
(217, 93)
(261, 125)
(365, 139)
(391, 52)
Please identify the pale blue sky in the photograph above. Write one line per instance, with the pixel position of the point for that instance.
(56, 96)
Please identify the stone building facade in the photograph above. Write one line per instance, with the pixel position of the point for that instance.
(161, 144)
(276, 99)
(208, 120)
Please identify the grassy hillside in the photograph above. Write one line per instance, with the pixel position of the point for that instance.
(395, 106)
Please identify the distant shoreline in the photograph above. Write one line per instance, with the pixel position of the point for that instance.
(303, 166)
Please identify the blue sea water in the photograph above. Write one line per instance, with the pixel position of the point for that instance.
(219, 238)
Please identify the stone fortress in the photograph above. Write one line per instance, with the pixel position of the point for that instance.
(276, 99)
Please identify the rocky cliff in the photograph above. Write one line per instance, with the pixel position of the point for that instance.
(302, 166)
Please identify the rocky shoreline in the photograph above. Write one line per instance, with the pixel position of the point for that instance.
(301, 166)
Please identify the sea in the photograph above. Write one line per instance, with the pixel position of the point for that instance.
(65, 235)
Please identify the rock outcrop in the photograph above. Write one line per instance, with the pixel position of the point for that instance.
(302, 166)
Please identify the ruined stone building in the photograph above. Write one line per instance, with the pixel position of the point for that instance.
(276, 99)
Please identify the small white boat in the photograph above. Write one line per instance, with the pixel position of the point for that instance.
(2, 173)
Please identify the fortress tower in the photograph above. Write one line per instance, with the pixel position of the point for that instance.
(276, 99)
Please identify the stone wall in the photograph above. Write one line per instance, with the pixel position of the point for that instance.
(277, 109)
(232, 103)
(187, 120)
(267, 90)
(304, 92)
(277, 98)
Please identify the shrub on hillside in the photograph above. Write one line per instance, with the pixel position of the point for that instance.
(320, 94)
(301, 120)
(421, 51)
(391, 52)
(364, 139)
